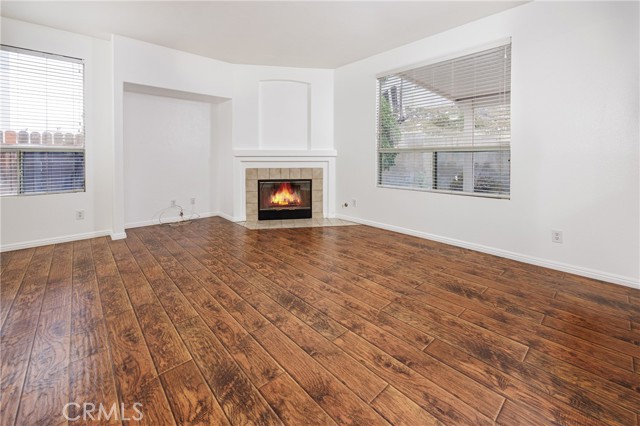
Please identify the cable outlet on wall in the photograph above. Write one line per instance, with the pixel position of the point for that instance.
(79, 214)
(556, 236)
(193, 200)
(173, 203)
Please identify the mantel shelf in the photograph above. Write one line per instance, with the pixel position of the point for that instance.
(284, 153)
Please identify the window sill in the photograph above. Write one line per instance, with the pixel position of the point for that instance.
(40, 148)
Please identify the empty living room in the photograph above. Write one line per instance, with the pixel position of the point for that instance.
(319, 213)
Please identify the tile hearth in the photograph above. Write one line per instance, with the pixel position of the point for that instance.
(294, 223)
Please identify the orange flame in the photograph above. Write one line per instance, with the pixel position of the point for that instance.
(285, 196)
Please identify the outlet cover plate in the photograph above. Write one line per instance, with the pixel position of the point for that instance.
(556, 236)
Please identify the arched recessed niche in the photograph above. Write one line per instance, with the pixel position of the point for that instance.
(284, 115)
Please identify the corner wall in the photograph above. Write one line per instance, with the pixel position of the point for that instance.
(162, 70)
(575, 150)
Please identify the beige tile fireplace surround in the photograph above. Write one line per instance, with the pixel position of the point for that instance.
(251, 187)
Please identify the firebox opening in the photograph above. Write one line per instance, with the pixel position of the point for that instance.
(284, 199)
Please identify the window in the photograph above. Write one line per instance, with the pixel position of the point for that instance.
(41, 123)
(446, 127)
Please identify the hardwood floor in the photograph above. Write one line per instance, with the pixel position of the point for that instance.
(214, 324)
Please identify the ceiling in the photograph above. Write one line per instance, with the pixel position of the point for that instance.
(314, 34)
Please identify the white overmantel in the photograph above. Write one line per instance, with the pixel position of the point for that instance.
(284, 153)
(248, 159)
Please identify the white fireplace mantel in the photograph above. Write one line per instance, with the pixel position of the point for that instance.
(245, 159)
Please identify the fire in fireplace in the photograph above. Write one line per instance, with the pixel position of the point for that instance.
(284, 199)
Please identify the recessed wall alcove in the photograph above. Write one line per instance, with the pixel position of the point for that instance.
(170, 144)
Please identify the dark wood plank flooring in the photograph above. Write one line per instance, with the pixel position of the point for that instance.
(213, 324)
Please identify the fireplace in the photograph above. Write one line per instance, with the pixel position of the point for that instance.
(284, 199)
(253, 175)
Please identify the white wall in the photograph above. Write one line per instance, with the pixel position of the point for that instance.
(167, 156)
(284, 115)
(222, 164)
(246, 104)
(30, 220)
(143, 64)
(575, 150)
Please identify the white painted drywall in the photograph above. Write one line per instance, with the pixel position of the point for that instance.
(246, 104)
(31, 220)
(167, 150)
(284, 115)
(222, 164)
(145, 64)
(575, 149)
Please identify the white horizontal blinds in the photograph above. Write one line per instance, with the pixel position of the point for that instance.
(446, 126)
(41, 122)
(46, 172)
(8, 173)
(42, 96)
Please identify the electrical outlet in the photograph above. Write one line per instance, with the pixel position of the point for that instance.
(193, 200)
(173, 203)
(556, 236)
(354, 203)
(79, 214)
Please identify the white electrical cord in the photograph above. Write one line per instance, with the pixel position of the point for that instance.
(162, 212)
(193, 215)
(183, 220)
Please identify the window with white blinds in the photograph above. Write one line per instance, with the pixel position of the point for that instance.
(41, 123)
(446, 127)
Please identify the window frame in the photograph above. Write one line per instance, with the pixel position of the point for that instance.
(438, 149)
(21, 149)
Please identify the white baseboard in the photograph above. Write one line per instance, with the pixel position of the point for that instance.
(229, 217)
(55, 240)
(119, 236)
(577, 270)
(165, 220)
